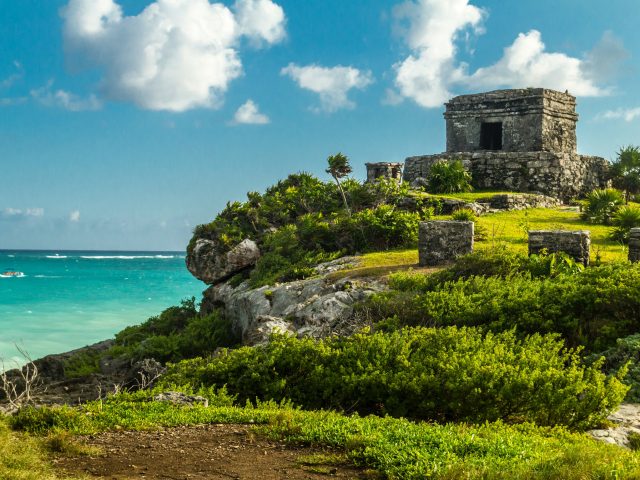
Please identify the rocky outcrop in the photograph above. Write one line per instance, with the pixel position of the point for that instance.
(208, 262)
(626, 420)
(315, 307)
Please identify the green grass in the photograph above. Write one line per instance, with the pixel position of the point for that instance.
(380, 264)
(508, 228)
(397, 448)
(23, 457)
(512, 227)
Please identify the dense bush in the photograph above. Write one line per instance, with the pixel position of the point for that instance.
(626, 350)
(301, 221)
(439, 374)
(601, 205)
(448, 177)
(292, 251)
(175, 334)
(624, 220)
(591, 308)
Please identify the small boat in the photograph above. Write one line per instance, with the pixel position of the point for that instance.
(11, 273)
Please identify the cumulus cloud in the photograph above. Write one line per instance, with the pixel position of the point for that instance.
(332, 84)
(626, 114)
(261, 20)
(433, 29)
(74, 216)
(525, 63)
(248, 113)
(11, 212)
(175, 55)
(63, 99)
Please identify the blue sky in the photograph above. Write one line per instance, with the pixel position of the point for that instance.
(124, 124)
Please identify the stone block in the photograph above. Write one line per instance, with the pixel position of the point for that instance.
(387, 170)
(444, 240)
(576, 244)
(634, 245)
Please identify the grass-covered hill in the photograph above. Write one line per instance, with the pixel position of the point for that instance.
(492, 367)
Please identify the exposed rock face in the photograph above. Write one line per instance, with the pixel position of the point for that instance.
(181, 399)
(627, 420)
(315, 307)
(207, 262)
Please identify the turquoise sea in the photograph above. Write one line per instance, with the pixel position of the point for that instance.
(69, 299)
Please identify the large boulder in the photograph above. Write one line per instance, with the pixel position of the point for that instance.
(315, 307)
(209, 263)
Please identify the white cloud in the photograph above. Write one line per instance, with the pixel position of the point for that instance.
(248, 113)
(429, 74)
(10, 212)
(74, 216)
(175, 55)
(332, 84)
(260, 20)
(525, 63)
(626, 114)
(14, 77)
(431, 28)
(63, 99)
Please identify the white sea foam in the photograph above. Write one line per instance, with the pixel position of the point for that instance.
(125, 257)
(56, 256)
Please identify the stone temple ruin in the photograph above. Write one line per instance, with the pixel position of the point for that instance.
(520, 140)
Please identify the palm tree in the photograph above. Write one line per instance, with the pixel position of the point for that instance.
(626, 171)
(339, 168)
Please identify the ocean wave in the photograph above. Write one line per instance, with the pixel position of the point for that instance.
(125, 257)
(47, 276)
(56, 256)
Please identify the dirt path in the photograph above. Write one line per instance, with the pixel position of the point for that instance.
(200, 452)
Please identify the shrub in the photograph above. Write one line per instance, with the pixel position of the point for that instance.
(625, 351)
(464, 215)
(624, 220)
(438, 374)
(449, 177)
(591, 308)
(177, 333)
(600, 205)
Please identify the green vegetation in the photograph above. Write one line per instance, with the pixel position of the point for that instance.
(299, 222)
(625, 351)
(601, 205)
(448, 177)
(175, 334)
(397, 448)
(591, 308)
(625, 171)
(437, 374)
(624, 220)
(22, 457)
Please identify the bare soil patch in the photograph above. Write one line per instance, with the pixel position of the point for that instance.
(199, 452)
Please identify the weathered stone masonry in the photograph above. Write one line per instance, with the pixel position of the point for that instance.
(576, 244)
(444, 240)
(634, 245)
(522, 140)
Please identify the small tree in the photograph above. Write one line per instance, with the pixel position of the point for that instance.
(625, 171)
(339, 167)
